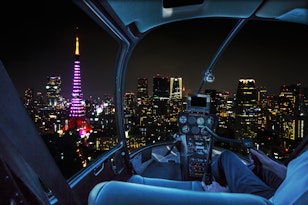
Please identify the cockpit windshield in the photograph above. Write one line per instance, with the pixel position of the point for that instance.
(250, 79)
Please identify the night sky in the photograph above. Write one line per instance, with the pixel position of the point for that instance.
(37, 41)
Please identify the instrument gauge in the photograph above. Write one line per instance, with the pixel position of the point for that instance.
(191, 120)
(210, 121)
(185, 129)
(195, 130)
(182, 119)
(200, 120)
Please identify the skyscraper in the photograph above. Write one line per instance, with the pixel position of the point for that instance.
(161, 92)
(53, 90)
(176, 88)
(293, 111)
(161, 87)
(142, 89)
(263, 108)
(246, 110)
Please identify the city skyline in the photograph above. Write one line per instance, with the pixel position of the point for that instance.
(232, 92)
(31, 50)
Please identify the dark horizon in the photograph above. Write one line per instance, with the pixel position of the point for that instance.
(37, 43)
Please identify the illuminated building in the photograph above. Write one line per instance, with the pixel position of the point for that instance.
(176, 88)
(143, 100)
(246, 110)
(129, 99)
(161, 94)
(161, 87)
(142, 89)
(130, 106)
(224, 110)
(28, 97)
(293, 111)
(262, 102)
(53, 90)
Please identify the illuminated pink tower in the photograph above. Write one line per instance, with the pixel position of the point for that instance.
(77, 119)
(77, 108)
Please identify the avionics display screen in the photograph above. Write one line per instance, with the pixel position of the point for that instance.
(199, 103)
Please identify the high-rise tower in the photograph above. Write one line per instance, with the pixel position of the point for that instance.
(77, 119)
(53, 90)
(77, 108)
(161, 87)
(246, 110)
(176, 88)
(142, 89)
(293, 111)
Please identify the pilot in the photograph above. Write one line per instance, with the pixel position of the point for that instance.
(267, 178)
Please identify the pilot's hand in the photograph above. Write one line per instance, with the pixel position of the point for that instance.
(260, 158)
(214, 187)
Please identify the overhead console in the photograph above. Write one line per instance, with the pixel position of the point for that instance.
(191, 124)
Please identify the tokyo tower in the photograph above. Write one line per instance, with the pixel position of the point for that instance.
(77, 119)
(77, 108)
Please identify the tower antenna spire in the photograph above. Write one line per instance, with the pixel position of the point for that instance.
(77, 53)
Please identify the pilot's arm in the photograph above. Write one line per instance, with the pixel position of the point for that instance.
(266, 162)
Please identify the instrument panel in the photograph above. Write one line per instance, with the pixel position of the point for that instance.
(192, 125)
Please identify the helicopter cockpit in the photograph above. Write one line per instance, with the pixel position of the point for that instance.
(194, 143)
(167, 172)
